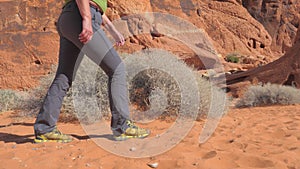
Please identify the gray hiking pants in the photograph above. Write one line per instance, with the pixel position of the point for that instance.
(101, 51)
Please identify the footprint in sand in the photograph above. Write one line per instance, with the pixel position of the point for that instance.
(209, 155)
(293, 126)
(279, 134)
(255, 162)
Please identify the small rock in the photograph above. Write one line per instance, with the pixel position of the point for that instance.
(59, 147)
(153, 165)
(88, 165)
(231, 141)
(152, 158)
(199, 12)
(132, 149)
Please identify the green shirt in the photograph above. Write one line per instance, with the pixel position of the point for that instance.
(101, 3)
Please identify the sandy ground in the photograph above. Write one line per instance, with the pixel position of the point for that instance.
(265, 137)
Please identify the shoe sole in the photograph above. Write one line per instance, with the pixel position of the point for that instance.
(52, 141)
(119, 138)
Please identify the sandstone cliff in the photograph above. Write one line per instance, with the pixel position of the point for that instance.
(284, 71)
(29, 41)
(279, 17)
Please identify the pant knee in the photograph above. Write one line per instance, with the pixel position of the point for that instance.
(119, 73)
(60, 85)
(112, 63)
(120, 69)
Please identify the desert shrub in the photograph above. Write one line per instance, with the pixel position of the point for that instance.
(9, 100)
(32, 100)
(233, 58)
(169, 85)
(154, 85)
(154, 91)
(154, 79)
(213, 100)
(88, 97)
(151, 90)
(269, 94)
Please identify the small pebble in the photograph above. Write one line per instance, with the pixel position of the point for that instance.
(132, 149)
(231, 141)
(199, 12)
(153, 165)
(152, 158)
(59, 147)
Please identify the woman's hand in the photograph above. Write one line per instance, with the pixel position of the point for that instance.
(119, 38)
(87, 31)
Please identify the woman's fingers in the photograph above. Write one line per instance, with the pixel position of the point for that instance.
(85, 36)
(122, 42)
(87, 31)
(120, 39)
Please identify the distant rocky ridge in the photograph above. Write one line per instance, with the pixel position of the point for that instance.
(260, 30)
(279, 17)
(283, 71)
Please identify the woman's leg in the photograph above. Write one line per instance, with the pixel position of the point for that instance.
(68, 54)
(111, 63)
(117, 91)
(50, 110)
(101, 51)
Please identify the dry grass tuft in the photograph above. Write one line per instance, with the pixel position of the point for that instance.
(269, 94)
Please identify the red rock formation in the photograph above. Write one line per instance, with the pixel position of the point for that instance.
(279, 17)
(284, 71)
(229, 25)
(29, 41)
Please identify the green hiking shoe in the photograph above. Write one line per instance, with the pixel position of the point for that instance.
(132, 131)
(53, 136)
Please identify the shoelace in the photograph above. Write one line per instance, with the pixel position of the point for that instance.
(131, 124)
(56, 131)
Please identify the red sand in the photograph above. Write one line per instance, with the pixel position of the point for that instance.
(265, 137)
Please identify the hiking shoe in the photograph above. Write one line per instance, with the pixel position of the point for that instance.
(132, 131)
(53, 136)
